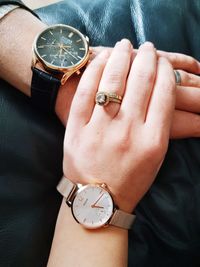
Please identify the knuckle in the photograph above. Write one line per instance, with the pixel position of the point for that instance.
(193, 62)
(168, 82)
(95, 65)
(114, 78)
(175, 57)
(83, 92)
(146, 75)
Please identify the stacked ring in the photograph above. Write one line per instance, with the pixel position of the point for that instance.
(103, 98)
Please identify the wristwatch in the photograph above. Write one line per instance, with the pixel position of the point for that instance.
(92, 205)
(59, 51)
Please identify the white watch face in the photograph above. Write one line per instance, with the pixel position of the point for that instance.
(92, 206)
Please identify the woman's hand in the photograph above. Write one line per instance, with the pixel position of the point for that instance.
(121, 145)
(186, 122)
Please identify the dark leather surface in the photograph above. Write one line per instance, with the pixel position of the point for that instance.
(167, 229)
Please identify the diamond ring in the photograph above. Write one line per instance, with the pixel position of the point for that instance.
(103, 98)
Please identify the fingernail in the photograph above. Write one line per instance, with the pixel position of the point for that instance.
(124, 43)
(117, 44)
(148, 44)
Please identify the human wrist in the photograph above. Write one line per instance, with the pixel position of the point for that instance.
(20, 47)
(64, 98)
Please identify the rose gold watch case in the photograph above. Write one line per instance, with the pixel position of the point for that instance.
(83, 187)
(65, 72)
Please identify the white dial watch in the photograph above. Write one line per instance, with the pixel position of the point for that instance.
(92, 205)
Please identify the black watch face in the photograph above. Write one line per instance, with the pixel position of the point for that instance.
(61, 46)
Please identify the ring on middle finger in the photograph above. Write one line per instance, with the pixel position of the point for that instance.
(103, 98)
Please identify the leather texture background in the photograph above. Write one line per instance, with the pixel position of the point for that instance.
(167, 229)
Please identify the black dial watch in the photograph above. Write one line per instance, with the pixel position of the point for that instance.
(61, 51)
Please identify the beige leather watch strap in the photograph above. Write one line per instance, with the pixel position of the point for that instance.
(122, 219)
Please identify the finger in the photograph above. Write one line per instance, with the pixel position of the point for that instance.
(189, 79)
(184, 125)
(83, 102)
(178, 60)
(181, 61)
(97, 50)
(162, 103)
(140, 83)
(114, 78)
(188, 99)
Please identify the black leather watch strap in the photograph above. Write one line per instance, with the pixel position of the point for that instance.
(44, 90)
(20, 4)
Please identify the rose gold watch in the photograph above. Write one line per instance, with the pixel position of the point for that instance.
(92, 205)
(59, 51)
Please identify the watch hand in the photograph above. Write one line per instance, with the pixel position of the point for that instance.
(94, 205)
(50, 45)
(54, 41)
(67, 46)
(62, 63)
(60, 53)
(54, 55)
(69, 53)
(98, 207)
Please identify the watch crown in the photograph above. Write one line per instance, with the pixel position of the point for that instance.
(104, 186)
(87, 39)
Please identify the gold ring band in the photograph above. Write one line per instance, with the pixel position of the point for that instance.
(103, 98)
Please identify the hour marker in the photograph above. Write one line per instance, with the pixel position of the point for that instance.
(43, 38)
(41, 46)
(52, 61)
(44, 55)
(72, 62)
(53, 41)
(79, 57)
(60, 31)
(71, 34)
(84, 220)
(51, 32)
(79, 40)
(81, 48)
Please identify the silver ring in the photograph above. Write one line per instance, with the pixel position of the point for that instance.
(177, 77)
(103, 98)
